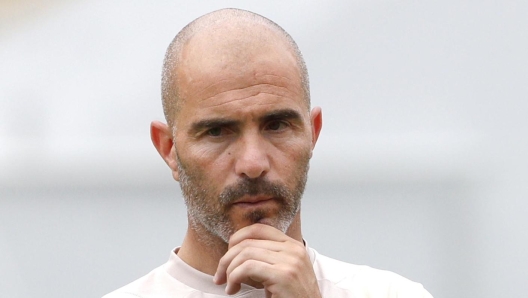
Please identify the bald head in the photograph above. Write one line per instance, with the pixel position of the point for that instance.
(228, 38)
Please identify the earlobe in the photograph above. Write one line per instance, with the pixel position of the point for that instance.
(316, 118)
(161, 136)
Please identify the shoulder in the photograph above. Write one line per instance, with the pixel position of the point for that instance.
(349, 280)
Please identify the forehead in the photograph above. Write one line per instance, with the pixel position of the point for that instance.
(250, 93)
(221, 67)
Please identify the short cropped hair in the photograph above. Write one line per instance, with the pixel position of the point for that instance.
(169, 87)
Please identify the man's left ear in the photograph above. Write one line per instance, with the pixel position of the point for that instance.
(316, 117)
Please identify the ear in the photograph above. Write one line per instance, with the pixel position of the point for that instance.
(316, 117)
(161, 136)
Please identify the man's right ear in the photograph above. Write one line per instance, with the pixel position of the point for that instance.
(161, 136)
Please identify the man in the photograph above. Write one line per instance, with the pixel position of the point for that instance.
(239, 137)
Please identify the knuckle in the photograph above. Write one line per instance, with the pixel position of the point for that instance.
(298, 250)
(290, 273)
(246, 253)
(247, 242)
(249, 266)
(297, 263)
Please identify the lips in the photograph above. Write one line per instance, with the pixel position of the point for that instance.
(252, 201)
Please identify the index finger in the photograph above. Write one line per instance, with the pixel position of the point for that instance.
(258, 231)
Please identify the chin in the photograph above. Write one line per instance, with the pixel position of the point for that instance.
(273, 222)
(266, 217)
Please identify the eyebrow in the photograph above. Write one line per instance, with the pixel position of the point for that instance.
(211, 123)
(285, 114)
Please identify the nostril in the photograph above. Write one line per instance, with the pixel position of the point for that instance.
(252, 166)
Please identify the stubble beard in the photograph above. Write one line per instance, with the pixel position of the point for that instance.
(208, 211)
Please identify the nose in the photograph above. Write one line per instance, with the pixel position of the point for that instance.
(252, 159)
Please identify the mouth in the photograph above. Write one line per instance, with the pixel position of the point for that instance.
(252, 202)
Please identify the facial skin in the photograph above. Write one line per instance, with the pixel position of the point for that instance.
(241, 141)
(223, 214)
(243, 138)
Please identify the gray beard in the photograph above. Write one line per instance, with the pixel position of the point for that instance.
(207, 212)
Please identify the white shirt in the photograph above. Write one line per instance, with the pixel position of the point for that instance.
(335, 278)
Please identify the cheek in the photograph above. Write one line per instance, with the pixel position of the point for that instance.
(213, 162)
(293, 155)
(204, 154)
(297, 144)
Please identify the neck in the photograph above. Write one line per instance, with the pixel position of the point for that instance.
(203, 251)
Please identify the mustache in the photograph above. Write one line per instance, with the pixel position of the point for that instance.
(253, 187)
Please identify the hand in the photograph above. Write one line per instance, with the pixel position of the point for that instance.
(262, 255)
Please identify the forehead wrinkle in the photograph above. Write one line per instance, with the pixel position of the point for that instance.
(282, 85)
(273, 75)
(252, 95)
(283, 90)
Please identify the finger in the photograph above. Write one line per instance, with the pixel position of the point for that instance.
(243, 252)
(248, 272)
(260, 255)
(258, 231)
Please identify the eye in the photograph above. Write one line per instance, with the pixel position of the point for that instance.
(214, 132)
(277, 125)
